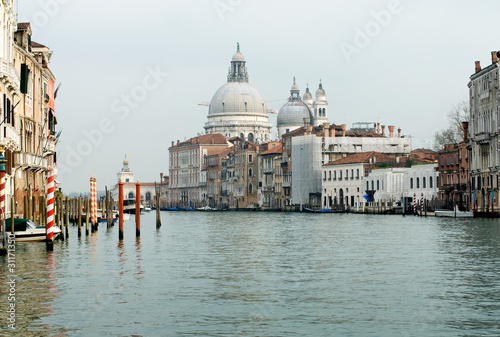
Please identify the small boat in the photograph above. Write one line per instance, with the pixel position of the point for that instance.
(454, 214)
(325, 210)
(147, 209)
(205, 209)
(26, 230)
(129, 206)
(168, 209)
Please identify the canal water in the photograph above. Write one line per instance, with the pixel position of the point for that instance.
(262, 274)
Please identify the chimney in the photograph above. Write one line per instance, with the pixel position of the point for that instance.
(478, 66)
(332, 131)
(173, 143)
(465, 126)
(178, 142)
(378, 127)
(161, 177)
(343, 126)
(375, 127)
(383, 130)
(326, 129)
(310, 129)
(391, 131)
(494, 57)
(399, 132)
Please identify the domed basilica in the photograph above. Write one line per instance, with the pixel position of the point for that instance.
(237, 108)
(297, 112)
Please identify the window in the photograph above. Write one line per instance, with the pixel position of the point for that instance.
(250, 172)
(250, 158)
(411, 182)
(423, 182)
(352, 173)
(329, 175)
(148, 196)
(250, 189)
(430, 182)
(250, 137)
(372, 185)
(131, 195)
(357, 173)
(418, 182)
(127, 180)
(378, 185)
(367, 186)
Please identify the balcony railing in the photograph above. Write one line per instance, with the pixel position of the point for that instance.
(286, 184)
(268, 171)
(28, 160)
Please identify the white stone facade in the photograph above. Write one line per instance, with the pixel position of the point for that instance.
(310, 152)
(343, 185)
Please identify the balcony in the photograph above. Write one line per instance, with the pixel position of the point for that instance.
(8, 74)
(31, 161)
(11, 138)
(268, 189)
(268, 171)
(286, 184)
(46, 98)
(482, 138)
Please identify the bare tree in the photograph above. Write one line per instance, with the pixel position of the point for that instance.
(455, 132)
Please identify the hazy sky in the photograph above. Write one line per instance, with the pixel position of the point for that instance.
(133, 72)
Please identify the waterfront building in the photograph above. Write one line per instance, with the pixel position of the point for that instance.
(212, 172)
(271, 176)
(311, 147)
(342, 179)
(483, 131)
(454, 174)
(238, 109)
(186, 159)
(245, 179)
(27, 110)
(148, 189)
(294, 113)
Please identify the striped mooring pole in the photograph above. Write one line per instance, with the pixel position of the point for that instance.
(422, 204)
(50, 210)
(414, 203)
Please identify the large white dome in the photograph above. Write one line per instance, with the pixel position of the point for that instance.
(240, 98)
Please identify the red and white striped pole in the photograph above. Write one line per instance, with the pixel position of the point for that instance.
(422, 204)
(93, 204)
(414, 203)
(50, 210)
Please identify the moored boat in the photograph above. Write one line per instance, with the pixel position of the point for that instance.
(26, 230)
(456, 213)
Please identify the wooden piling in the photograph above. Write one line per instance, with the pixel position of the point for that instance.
(59, 217)
(87, 215)
(138, 209)
(79, 215)
(158, 218)
(120, 209)
(66, 217)
(33, 209)
(109, 209)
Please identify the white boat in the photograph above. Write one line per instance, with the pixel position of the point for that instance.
(454, 214)
(26, 230)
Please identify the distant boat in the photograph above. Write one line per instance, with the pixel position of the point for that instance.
(325, 210)
(206, 209)
(26, 230)
(454, 214)
(147, 209)
(129, 206)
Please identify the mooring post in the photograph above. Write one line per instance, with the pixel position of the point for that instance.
(50, 211)
(138, 208)
(79, 215)
(87, 215)
(60, 212)
(120, 210)
(66, 216)
(158, 217)
(3, 161)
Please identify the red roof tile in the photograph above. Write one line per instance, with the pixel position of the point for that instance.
(214, 138)
(274, 150)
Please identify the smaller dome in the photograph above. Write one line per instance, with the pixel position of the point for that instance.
(320, 93)
(307, 95)
(238, 57)
(125, 162)
(293, 114)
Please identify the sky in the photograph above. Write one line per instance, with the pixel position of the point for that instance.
(134, 72)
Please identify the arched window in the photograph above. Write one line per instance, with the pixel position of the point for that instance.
(367, 186)
(423, 182)
(418, 182)
(250, 189)
(430, 182)
(242, 136)
(411, 182)
(131, 195)
(148, 196)
(250, 137)
(250, 172)
(378, 185)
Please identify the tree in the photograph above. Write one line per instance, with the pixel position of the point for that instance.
(455, 132)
